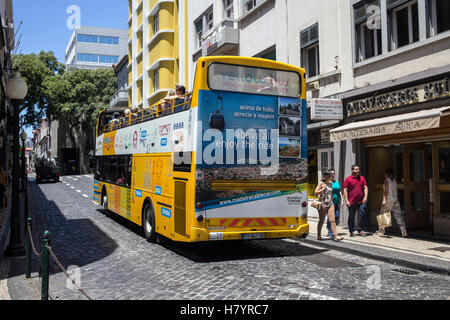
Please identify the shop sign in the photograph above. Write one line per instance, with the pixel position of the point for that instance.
(386, 129)
(325, 136)
(327, 109)
(400, 98)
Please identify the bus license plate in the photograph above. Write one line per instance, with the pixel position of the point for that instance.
(252, 236)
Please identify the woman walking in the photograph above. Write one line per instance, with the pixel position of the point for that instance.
(337, 201)
(325, 192)
(390, 201)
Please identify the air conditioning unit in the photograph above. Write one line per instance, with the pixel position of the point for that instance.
(315, 85)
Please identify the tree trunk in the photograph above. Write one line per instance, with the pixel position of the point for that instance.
(74, 145)
(72, 134)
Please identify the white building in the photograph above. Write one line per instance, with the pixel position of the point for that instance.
(93, 48)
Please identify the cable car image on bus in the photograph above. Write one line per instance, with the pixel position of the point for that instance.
(214, 165)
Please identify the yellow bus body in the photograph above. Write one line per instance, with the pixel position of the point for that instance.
(177, 189)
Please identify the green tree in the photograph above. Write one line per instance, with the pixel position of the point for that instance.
(36, 70)
(79, 95)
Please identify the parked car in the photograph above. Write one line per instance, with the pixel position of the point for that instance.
(47, 169)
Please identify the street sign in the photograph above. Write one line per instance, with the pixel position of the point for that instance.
(327, 109)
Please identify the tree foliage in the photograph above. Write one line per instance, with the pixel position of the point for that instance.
(36, 70)
(79, 95)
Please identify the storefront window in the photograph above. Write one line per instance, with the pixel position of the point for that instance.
(445, 202)
(444, 166)
(416, 166)
(401, 199)
(417, 201)
(324, 161)
(398, 167)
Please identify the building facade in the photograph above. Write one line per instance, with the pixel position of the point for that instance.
(155, 48)
(6, 49)
(94, 48)
(121, 98)
(382, 60)
(387, 61)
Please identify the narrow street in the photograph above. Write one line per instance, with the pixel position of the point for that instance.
(116, 262)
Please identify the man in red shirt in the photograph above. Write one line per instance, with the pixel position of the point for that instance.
(356, 194)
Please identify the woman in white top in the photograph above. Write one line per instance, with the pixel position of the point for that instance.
(391, 203)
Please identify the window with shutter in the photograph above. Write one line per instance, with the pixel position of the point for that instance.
(309, 45)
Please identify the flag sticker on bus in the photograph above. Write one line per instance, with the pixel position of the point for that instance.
(138, 193)
(158, 190)
(166, 212)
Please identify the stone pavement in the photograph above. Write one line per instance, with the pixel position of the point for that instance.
(422, 254)
(264, 270)
(5, 216)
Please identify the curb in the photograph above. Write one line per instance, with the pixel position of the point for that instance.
(393, 260)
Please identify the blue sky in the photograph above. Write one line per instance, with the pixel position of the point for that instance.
(44, 21)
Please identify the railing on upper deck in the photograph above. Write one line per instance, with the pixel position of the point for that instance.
(159, 110)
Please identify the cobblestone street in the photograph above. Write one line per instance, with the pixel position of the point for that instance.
(116, 261)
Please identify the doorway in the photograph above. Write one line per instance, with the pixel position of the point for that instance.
(326, 160)
(417, 161)
(412, 169)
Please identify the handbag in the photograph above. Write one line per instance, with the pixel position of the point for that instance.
(316, 204)
(384, 219)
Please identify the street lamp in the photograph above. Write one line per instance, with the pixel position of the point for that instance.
(16, 90)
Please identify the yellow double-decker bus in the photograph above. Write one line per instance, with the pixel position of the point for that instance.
(227, 161)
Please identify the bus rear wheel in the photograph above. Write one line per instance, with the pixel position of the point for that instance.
(105, 205)
(148, 223)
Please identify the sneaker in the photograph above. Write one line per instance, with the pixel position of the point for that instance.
(362, 234)
(352, 234)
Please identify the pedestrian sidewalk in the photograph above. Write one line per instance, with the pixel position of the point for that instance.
(13, 285)
(422, 254)
(5, 216)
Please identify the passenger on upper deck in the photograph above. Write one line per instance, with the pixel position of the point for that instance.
(134, 115)
(181, 98)
(115, 121)
(167, 104)
(125, 121)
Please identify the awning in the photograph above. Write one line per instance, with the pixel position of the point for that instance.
(416, 121)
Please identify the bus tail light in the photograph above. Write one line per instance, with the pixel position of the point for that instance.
(199, 205)
(304, 204)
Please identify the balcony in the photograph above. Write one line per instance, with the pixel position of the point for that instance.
(120, 99)
(222, 39)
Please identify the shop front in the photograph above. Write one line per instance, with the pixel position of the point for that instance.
(406, 129)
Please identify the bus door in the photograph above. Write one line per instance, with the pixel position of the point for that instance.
(182, 169)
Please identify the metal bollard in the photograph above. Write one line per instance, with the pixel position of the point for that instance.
(28, 249)
(45, 266)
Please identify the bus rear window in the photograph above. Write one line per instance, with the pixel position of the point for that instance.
(254, 80)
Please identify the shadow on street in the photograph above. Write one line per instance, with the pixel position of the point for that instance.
(77, 242)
